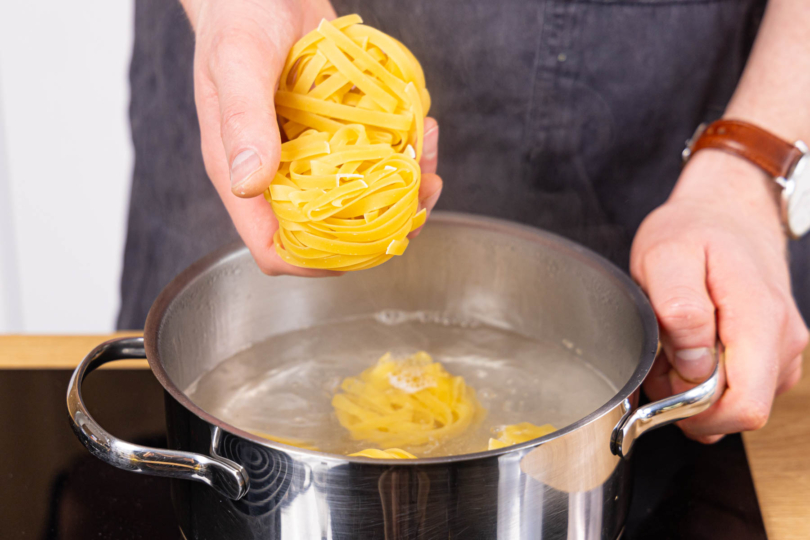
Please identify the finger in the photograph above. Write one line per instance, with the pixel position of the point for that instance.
(430, 154)
(674, 276)
(256, 224)
(710, 439)
(678, 385)
(253, 218)
(662, 381)
(746, 402)
(656, 384)
(790, 376)
(749, 325)
(241, 47)
(430, 189)
(794, 343)
(244, 66)
(314, 12)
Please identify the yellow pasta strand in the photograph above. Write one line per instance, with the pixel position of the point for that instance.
(391, 453)
(286, 440)
(519, 433)
(408, 402)
(352, 102)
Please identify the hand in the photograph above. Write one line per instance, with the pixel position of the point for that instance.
(241, 47)
(713, 261)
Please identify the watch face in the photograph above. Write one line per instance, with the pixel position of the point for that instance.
(798, 198)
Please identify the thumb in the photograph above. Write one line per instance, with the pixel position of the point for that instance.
(244, 67)
(430, 151)
(674, 277)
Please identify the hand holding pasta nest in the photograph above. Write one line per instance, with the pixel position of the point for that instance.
(351, 102)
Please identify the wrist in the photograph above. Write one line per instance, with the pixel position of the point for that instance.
(787, 119)
(191, 8)
(724, 178)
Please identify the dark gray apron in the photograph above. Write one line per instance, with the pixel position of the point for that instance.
(564, 115)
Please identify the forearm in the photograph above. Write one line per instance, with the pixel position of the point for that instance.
(773, 93)
(191, 8)
(312, 10)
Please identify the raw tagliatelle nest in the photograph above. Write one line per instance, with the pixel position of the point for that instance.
(409, 402)
(351, 102)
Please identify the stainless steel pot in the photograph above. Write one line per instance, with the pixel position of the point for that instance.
(573, 484)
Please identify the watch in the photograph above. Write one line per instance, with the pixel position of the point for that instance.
(788, 164)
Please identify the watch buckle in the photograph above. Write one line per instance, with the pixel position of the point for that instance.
(690, 143)
(789, 183)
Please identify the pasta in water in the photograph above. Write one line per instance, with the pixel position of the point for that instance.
(285, 440)
(409, 402)
(412, 402)
(391, 453)
(519, 433)
(351, 102)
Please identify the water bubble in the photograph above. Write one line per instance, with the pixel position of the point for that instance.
(487, 393)
(390, 317)
(332, 384)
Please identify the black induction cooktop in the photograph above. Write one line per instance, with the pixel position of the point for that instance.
(51, 488)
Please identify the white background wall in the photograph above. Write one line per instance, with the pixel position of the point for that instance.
(65, 162)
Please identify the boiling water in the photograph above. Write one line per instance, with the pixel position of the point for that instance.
(284, 386)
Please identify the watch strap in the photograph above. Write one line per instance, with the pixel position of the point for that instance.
(770, 153)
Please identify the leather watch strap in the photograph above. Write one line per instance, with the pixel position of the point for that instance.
(770, 153)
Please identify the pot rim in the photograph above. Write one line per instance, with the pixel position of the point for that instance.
(586, 256)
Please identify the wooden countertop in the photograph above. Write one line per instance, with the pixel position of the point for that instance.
(779, 454)
(57, 352)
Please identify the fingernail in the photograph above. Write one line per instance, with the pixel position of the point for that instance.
(243, 166)
(431, 142)
(694, 365)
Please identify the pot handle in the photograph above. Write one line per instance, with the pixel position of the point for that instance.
(666, 411)
(225, 476)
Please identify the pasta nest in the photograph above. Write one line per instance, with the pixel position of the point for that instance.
(409, 402)
(391, 453)
(519, 433)
(351, 102)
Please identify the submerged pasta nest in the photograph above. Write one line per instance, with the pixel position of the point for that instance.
(351, 102)
(391, 453)
(411, 402)
(519, 433)
(408, 402)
